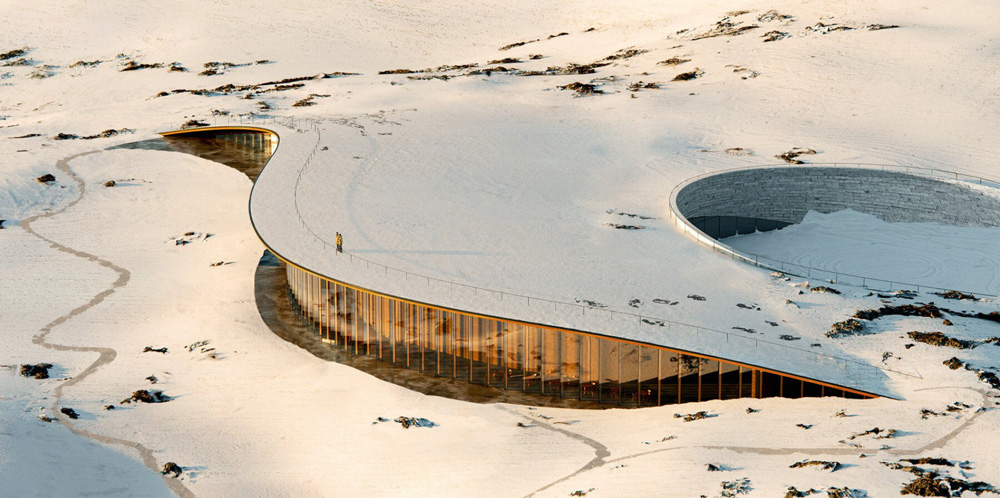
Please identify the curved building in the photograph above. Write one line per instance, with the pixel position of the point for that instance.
(584, 352)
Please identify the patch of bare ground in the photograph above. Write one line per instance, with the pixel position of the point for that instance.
(831, 492)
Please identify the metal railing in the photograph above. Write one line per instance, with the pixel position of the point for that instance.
(809, 272)
(731, 339)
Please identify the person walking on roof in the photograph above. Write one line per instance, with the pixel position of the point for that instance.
(340, 242)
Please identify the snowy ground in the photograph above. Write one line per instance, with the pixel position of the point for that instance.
(266, 419)
(850, 242)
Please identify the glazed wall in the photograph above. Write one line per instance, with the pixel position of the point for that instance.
(524, 357)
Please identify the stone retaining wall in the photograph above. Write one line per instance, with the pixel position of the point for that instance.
(787, 194)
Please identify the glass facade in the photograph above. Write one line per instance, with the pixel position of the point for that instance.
(524, 357)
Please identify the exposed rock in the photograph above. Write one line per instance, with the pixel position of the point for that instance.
(804, 426)
(696, 297)
(848, 327)
(150, 349)
(673, 61)
(69, 412)
(773, 15)
(822, 465)
(941, 340)
(144, 396)
(38, 371)
(713, 468)
(109, 407)
(193, 123)
(878, 27)
(110, 183)
(925, 310)
(690, 417)
(731, 489)
(46, 178)
(790, 156)
(624, 54)
(954, 363)
(690, 75)
(775, 35)
(786, 337)
(956, 295)
(929, 461)
(408, 422)
(824, 290)
(172, 468)
(17, 52)
(584, 89)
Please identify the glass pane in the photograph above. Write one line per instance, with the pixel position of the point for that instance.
(552, 358)
(791, 388)
(747, 379)
(609, 370)
(669, 379)
(649, 379)
(462, 347)
(532, 359)
(629, 380)
(589, 380)
(495, 346)
(515, 357)
(770, 385)
(729, 377)
(571, 365)
(480, 373)
(709, 379)
(812, 390)
(689, 367)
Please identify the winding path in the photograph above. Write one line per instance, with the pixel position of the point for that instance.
(601, 451)
(106, 355)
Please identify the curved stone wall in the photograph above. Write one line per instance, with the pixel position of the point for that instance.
(786, 194)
